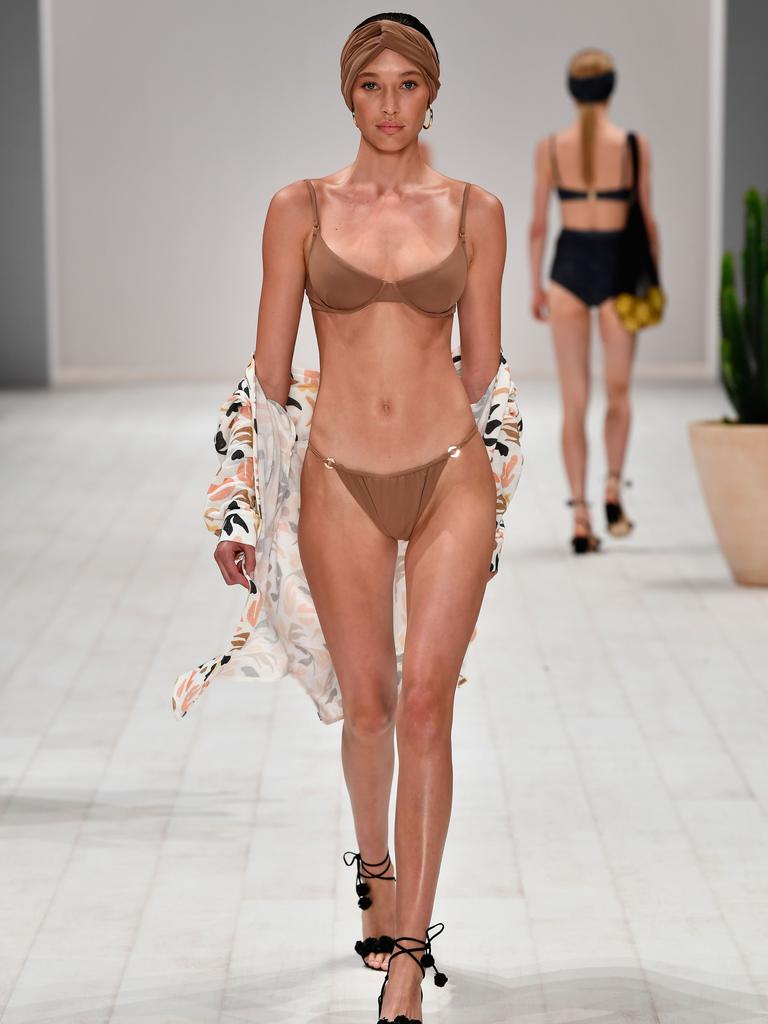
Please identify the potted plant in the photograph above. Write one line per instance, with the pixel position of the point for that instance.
(732, 455)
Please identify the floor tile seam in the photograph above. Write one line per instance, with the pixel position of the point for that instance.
(698, 600)
(227, 976)
(530, 918)
(92, 559)
(86, 811)
(74, 844)
(701, 703)
(625, 917)
(340, 797)
(715, 621)
(93, 642)
(160, 841)
(642, 608)
(616, 673)
(129, 711)
(509, 816)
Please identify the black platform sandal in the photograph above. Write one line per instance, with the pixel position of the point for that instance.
(616, 520)
(582, 545)
(374, 943)
(425, 961)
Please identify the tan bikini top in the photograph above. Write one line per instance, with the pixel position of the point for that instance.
(335, 286)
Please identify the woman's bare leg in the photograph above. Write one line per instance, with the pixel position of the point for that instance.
(446, 568)
(336, 541)
(569, 321)
(618, 357)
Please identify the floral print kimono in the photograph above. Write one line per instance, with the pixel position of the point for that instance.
(254, 499)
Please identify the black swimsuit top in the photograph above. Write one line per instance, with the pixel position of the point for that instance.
(617, 194)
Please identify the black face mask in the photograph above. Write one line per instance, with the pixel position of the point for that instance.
(594, 89)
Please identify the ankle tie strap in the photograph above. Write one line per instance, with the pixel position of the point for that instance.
(361, 887)
(612, 475)
(426, 960)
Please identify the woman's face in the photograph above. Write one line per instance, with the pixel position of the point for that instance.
(390, 99)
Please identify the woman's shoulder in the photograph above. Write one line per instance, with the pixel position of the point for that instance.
(543, 147)
(642, 141)
(289, 202)
(484, 212)
(623, 134)
(296, 197)
(479, 199)
(484, 206)
(292, 204)
(570, 133)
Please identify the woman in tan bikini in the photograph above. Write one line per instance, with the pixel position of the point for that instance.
(387, 249)
(589, 165)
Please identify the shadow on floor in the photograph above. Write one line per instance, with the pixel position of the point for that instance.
(703, 584)
(608, 994)
(633, 548)
(126, 808)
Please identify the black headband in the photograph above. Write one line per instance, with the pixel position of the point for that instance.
(593, 89)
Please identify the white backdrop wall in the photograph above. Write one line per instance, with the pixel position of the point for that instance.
(172, 122)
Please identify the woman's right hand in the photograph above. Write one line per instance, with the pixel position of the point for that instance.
(236, 561)
(539, 307)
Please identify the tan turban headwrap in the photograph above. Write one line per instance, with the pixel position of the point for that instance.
(367, 42)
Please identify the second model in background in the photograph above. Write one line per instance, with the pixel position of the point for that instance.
(589, 165)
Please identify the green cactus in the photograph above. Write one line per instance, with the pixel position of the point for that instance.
(744, 345)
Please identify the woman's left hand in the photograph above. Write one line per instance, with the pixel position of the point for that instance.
(539, 307)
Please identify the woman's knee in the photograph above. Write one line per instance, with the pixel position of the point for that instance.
(371, 713)
(617, 395)
(425, 708)
(574, 415)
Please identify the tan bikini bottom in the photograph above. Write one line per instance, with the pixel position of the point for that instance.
(394, 501)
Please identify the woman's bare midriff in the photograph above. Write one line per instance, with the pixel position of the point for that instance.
(390, 397)
(593, 214)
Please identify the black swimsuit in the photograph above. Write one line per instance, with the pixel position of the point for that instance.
(585, 261)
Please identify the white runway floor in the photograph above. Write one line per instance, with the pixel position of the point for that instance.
(608, 856)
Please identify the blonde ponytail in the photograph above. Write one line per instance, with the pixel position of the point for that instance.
(588, 143)
(587, 64)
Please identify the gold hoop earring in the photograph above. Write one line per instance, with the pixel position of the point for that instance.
(431, 118)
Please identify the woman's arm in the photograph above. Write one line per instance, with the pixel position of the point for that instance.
(479, 307)
(288, 221)
(644, 196)
(537, 233)
(231, 512)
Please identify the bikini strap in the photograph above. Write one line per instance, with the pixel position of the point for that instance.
(553, 160)
(313, 197)
(463, 218)
(453, 449)
(635, 154)
(625, 164)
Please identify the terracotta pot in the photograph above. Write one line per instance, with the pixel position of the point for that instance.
(732, 460)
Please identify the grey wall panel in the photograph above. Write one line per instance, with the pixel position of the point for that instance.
(23, 338)
(746, 112)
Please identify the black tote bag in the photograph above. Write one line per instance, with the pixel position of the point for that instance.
(640, 299)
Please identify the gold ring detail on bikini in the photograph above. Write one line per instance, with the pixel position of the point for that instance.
(454, 451)
(329, 462)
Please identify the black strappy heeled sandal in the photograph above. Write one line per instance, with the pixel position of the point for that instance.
(425, 961)
(583, 544)
(616, 520)
(374, 943)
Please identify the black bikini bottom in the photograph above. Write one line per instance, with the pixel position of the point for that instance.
(586, 264)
